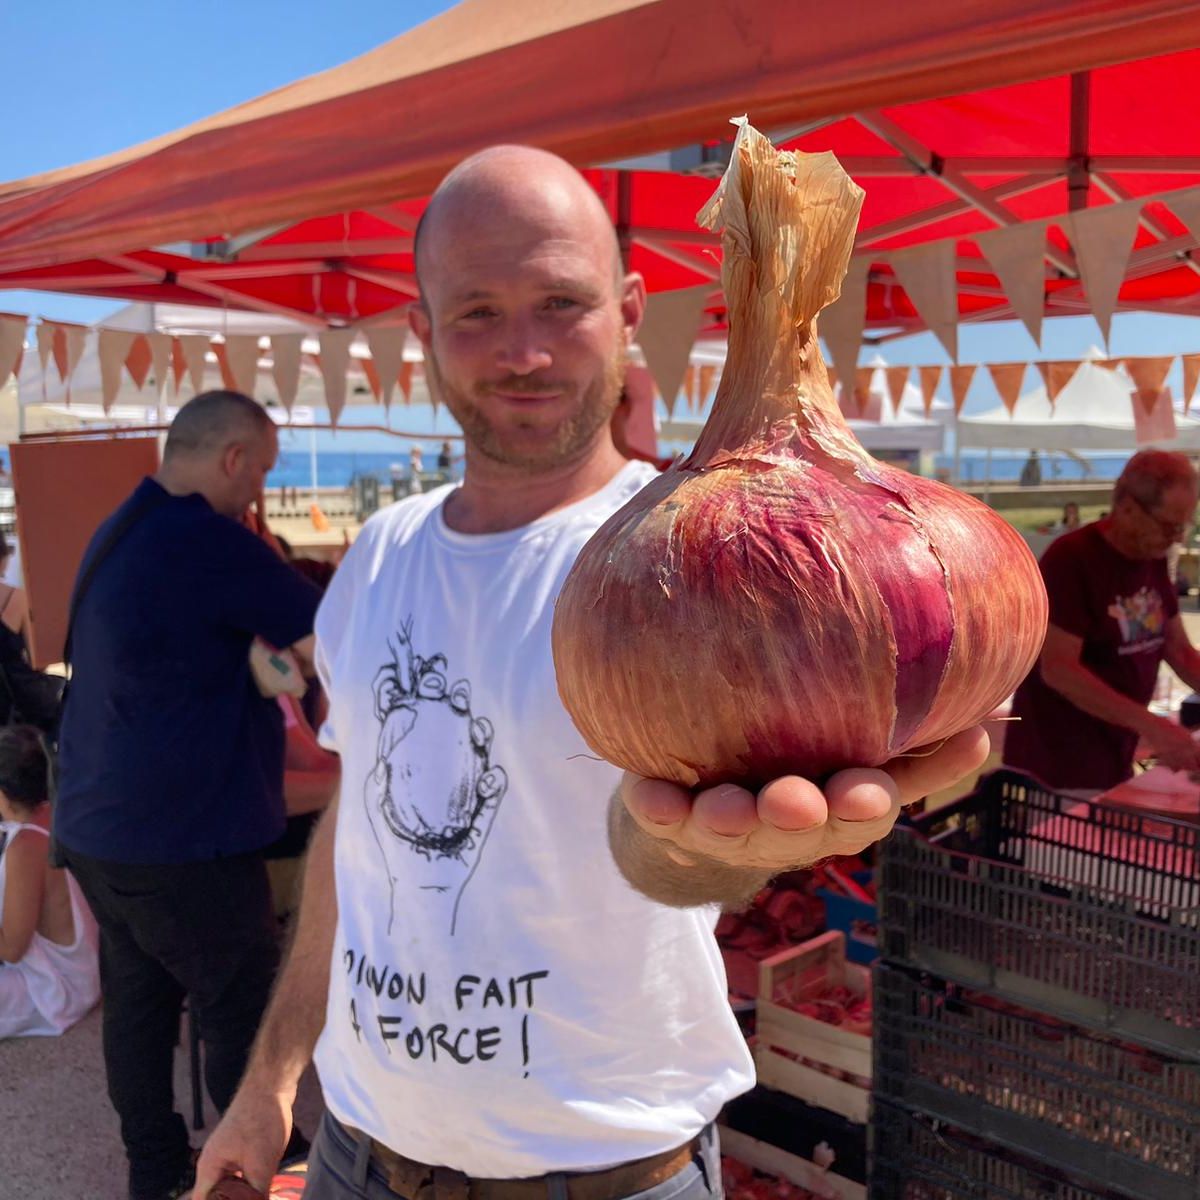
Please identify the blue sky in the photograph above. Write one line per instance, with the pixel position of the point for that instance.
(91, 79)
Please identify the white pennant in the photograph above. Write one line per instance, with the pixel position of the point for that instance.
(241, 353)
(12, 342)
(335, 359)
(667, 335)
(1102, 239)
(285, 366)
(113, 347)
(386, 344)
(1186, 206)
(843, 322)
(1016, 253)
(928, 276)
(195, 348)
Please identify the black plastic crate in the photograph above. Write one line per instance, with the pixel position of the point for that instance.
(1106, 1110)
(916, 1158)
(1032, 896)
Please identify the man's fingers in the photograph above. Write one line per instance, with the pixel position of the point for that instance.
(861, 794)
(792, 804)
(921, 772)
(658, 806)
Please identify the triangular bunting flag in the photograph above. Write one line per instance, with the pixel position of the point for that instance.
(386, 344)
(372, 374)
(66, 346)
(1149, 375)
(689, 387)
(195, 347)
(667, 335)
(897, 381)
(335, 359)
(707, 375)
(1103, 238)
(1191, 376)
(178, 363)
(930, 378)
(12, 342)
(1008, 378)
(241, 356)
(960, 382)
(286, 349)
(112, 347)
(1056, 376)
(160, 359)
(1154, 420)
(927, 274)
(45, 343)
(842, 323)
(405, 381)
(1016, 253)
(862, 393)
(139, 360)
(1186, 206)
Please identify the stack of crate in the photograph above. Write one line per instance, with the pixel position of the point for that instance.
(1037, 1003)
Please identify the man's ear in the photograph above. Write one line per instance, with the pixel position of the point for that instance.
(633, 305)
(232, 458)
(419, 323)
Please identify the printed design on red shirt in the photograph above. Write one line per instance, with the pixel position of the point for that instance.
(1140, 620)
(433, 792)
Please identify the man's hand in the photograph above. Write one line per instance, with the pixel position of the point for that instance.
(250, 1140)
(738, 839)
(1173, 745)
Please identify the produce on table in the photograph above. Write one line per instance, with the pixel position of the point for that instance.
(779, 602)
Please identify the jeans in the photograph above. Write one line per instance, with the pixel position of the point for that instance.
(339, 1168)
(203, 930)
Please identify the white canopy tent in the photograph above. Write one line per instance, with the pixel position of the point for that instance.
(1093, 412)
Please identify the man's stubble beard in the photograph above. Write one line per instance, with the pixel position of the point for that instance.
(572, 437)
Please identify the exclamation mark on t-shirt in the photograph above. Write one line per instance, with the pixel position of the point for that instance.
(525, 1042)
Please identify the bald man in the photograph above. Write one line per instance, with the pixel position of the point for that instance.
(495, 1010)
(171, 769)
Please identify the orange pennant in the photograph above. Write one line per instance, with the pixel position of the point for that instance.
(405, 380)
(1191, 376)
(179, 364)
(138, 360)
(227, 381)
(372, 374)
(1056, 376)
(1008, 378)
(862, 389)
(1149, 376)
(689, 386)
(930, 378)
(707, 374)
(897, 381)
(960, 382)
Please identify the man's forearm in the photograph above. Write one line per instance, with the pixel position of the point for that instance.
(1186, 664)
(296, 1014)
(648, 866)
(1091, 694)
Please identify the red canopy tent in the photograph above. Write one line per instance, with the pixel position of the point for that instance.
(304, 200)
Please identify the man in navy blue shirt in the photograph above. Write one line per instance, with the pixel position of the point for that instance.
(171, 769)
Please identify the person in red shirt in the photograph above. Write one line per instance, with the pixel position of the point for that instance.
(1114, 618)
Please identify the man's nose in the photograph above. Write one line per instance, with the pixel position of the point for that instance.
(523, 348)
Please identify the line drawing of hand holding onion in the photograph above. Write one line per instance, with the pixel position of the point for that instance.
(433, 792)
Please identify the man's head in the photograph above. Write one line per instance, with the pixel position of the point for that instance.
(1154, 502)
(221, 445)
(526, 313)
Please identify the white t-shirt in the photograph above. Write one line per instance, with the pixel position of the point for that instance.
(501, 1001)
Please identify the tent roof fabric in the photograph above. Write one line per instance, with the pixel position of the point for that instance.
(303, 201)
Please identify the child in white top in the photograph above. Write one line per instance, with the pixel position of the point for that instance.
(49, 973)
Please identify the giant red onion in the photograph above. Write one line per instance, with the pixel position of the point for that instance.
(779, 602)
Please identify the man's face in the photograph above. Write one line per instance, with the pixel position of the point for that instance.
(1152, 530)
(525, 329)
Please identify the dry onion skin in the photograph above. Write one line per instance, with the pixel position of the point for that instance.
(779, 602)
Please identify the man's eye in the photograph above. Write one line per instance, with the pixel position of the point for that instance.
(561, 303)
(476, 314)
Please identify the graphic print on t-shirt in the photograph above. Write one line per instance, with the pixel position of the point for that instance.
(1140, 620)
(434, 791)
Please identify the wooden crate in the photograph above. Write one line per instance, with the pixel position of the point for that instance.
(804, 973)
(773, 1160)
